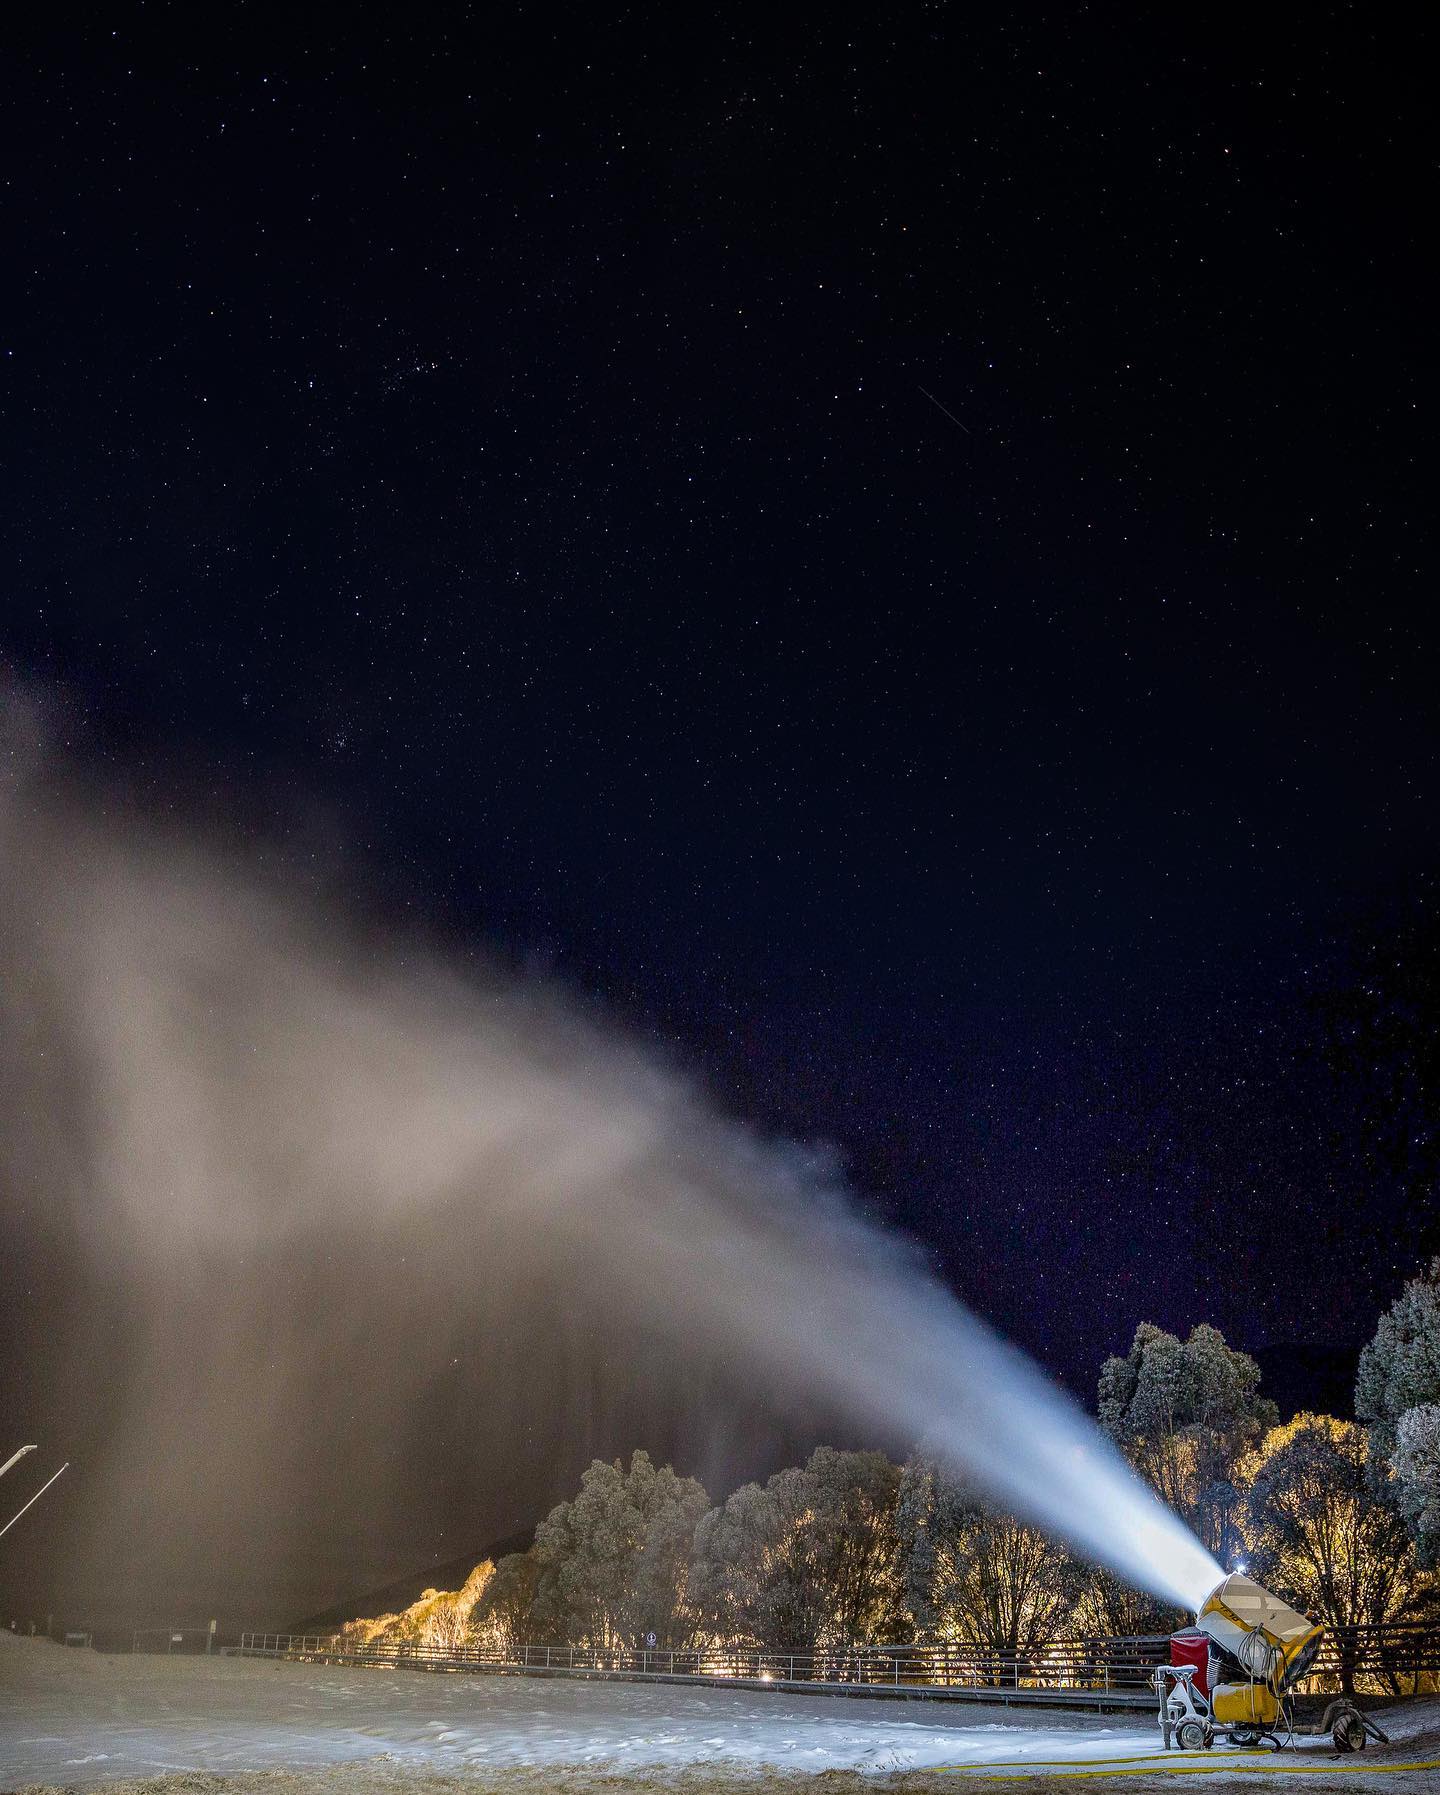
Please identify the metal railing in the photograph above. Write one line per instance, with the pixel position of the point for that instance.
(1079, 1665)
(1397, 1660)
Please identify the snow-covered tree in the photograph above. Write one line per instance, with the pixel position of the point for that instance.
(613, 1563)
(742, 1574)
(807, 1561)
(1400, 1374)
(1416, 1465)
(1400, 1368)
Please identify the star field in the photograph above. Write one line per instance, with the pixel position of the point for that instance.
(885, 547)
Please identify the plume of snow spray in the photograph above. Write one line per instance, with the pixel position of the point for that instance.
(303, 1173)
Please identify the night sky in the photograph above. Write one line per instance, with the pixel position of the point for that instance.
(883, 548)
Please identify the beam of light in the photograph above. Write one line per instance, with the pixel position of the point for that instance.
(308, 1172)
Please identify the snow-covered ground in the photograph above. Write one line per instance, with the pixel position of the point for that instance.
(76, 1717)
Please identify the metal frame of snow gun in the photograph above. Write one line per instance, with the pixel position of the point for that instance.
(1254, 1648)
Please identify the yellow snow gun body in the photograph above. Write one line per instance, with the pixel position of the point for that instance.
(1264, 1648)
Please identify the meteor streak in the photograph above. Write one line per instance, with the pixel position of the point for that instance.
(946, 409)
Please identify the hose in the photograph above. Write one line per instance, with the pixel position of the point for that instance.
(1158, 1766)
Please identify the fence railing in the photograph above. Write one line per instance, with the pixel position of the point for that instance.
(1402, 1658)
(1395, 1660)
(1072, 1664)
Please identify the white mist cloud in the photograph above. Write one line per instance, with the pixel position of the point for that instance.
(303, 1175)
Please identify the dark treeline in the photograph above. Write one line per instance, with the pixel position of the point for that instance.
(1342, 1517)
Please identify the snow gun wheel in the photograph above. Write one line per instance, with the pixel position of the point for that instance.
(1348, 1732)
(1244, 1735)
(1191, 1736)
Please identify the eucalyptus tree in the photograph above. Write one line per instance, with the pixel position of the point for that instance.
(1184, 1412)
(1325, 1531)
(502, 1618)
(974, 1575)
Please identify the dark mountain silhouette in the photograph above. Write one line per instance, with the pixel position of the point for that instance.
(391, 1598)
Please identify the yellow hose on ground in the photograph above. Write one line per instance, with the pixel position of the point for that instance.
(1216, 1767)
(1135, 1757)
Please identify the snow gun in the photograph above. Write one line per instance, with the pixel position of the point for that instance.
(1234, 1671)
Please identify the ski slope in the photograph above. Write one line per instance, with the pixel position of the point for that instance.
(79, 1718)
